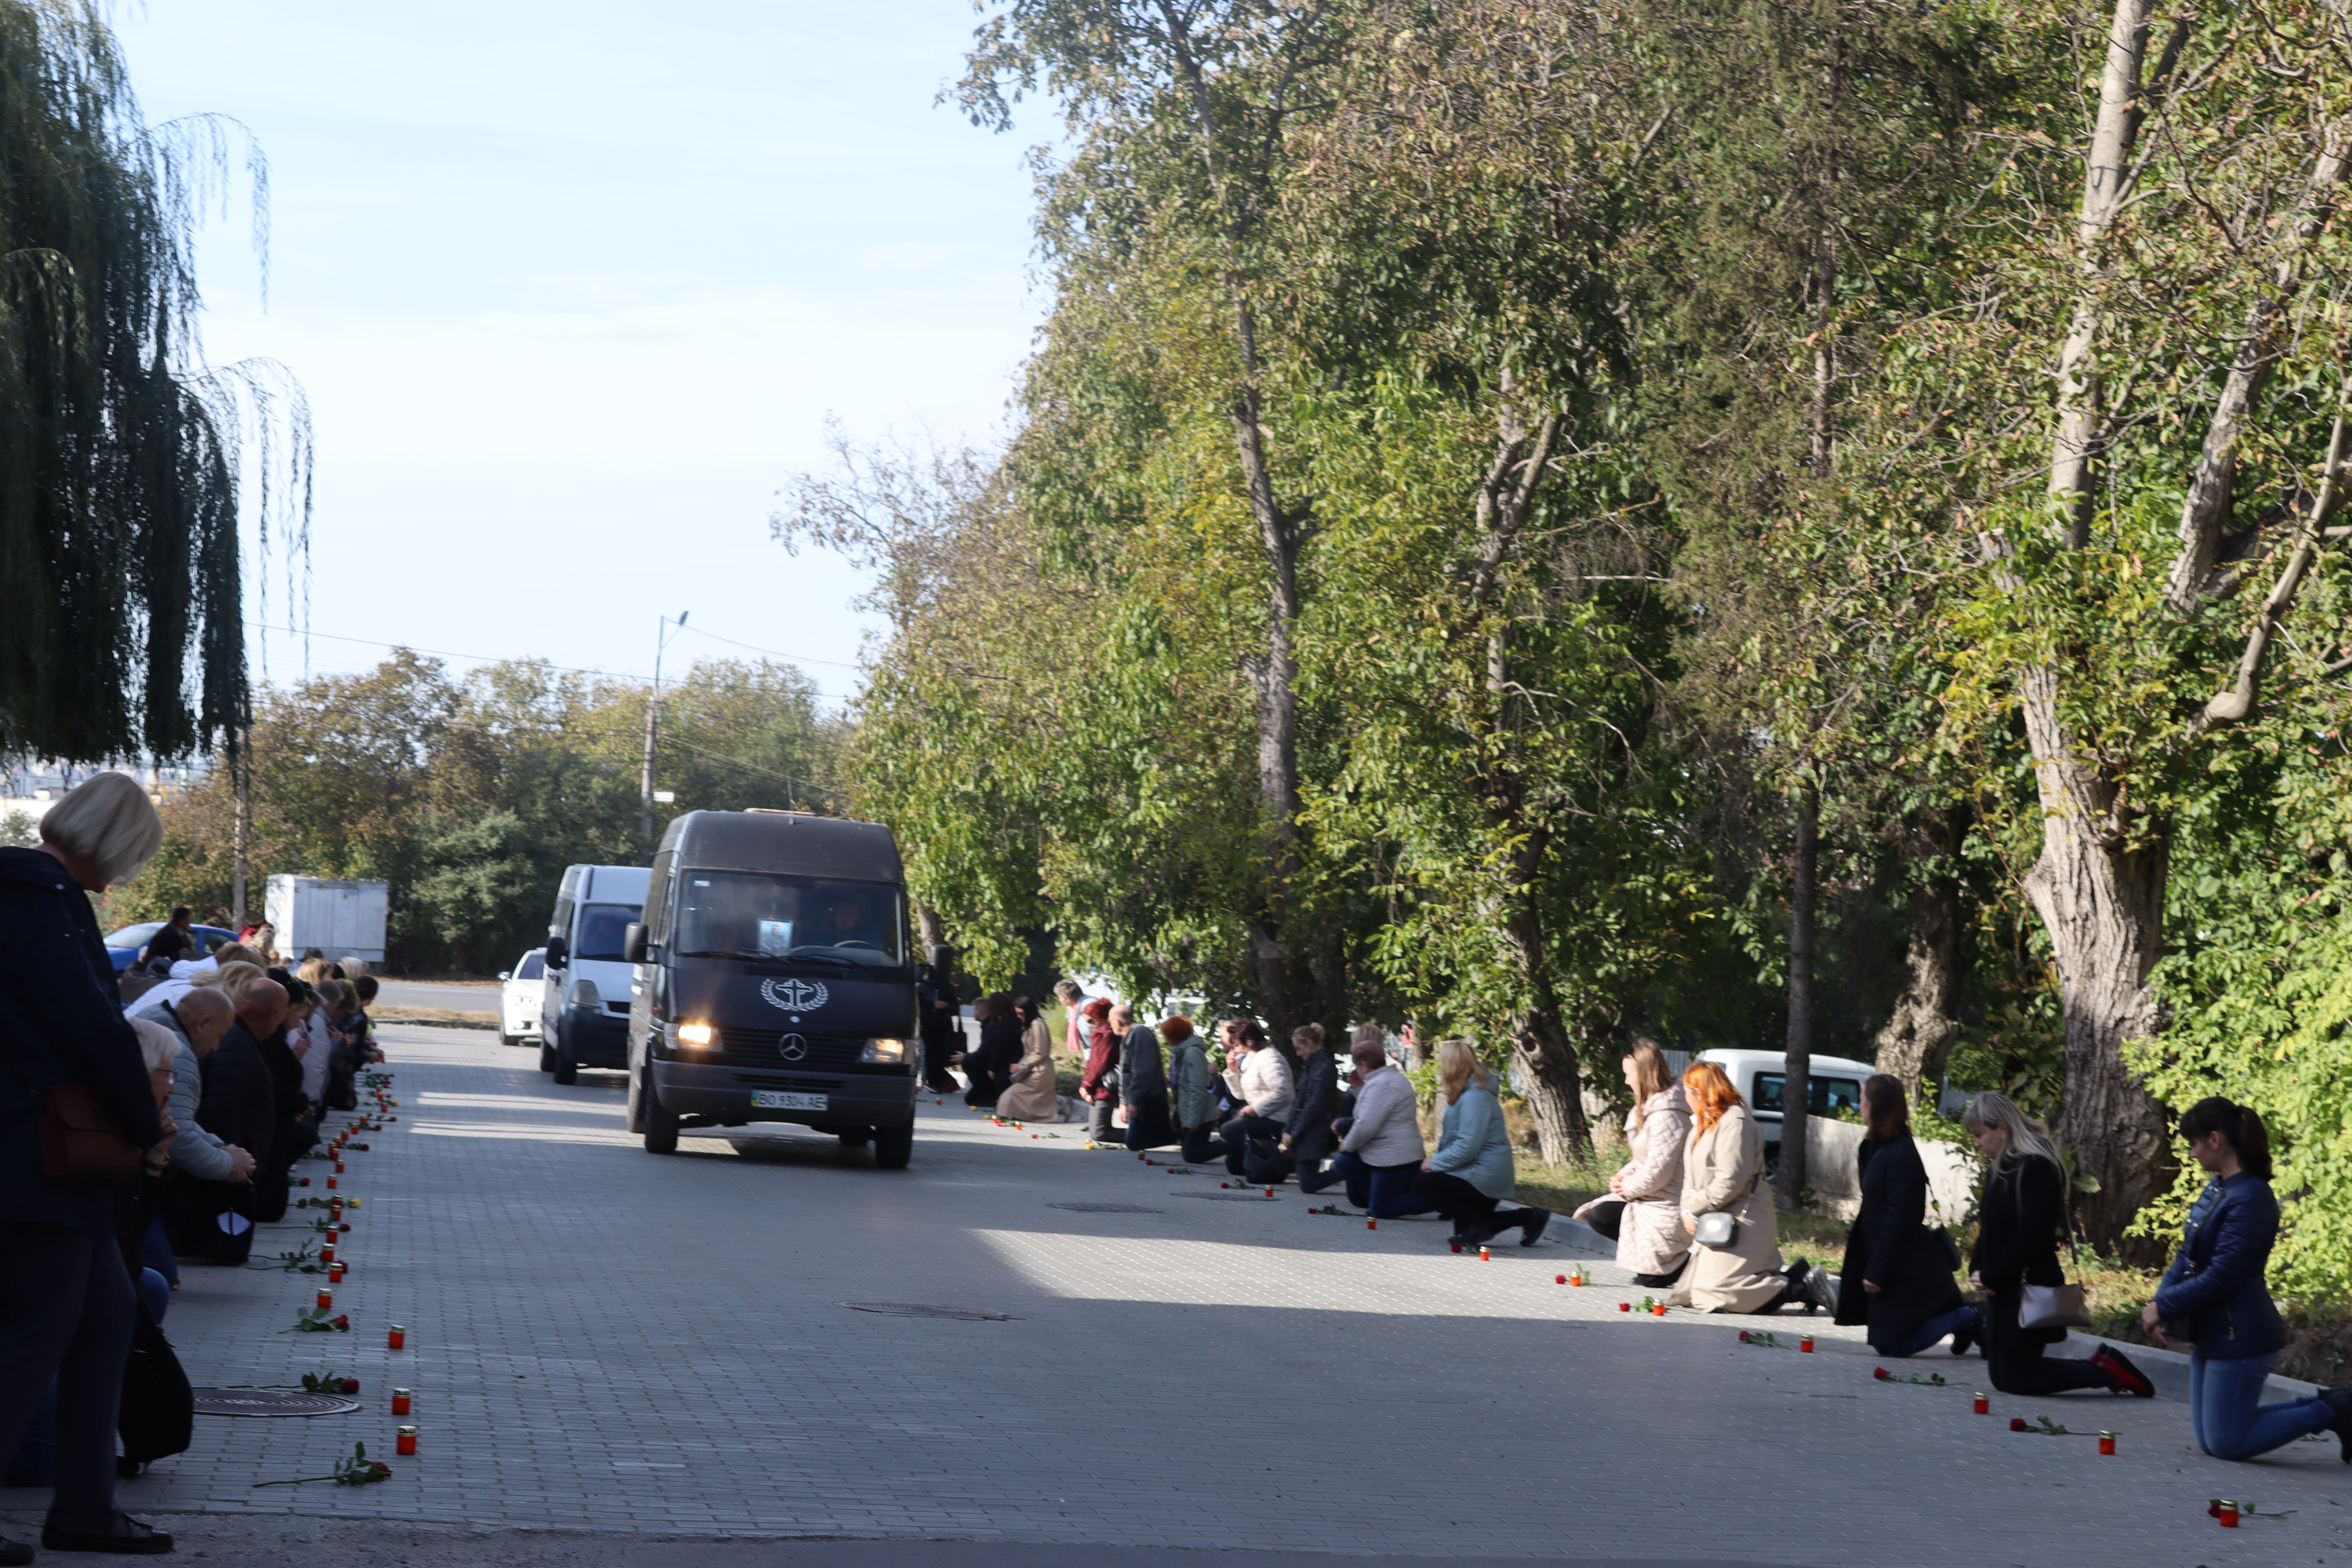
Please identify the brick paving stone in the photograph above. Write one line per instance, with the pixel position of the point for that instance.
(605, 1339)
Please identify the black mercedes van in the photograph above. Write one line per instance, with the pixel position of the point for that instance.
(774, 982)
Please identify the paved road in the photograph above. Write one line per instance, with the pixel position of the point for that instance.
(654, 1350)
(482, 998)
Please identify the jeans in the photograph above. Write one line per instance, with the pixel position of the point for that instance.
(1201, 1145)
(1383, 1192)
(2226, 1410)
(1929, 1332)
(1244, 1131)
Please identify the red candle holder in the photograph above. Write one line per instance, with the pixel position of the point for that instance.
(330, 1184)
(1372, 1225)
(2106, 1442)
(1269, 1192)
(398, 1339)
(1624, 1306)
(1984, 1405)
(2228, 1516)
(338, 1167)
(1486, 1256)
(400, 1402)
(327, 1253)
(407, 1441)
(1806, 1344)
(1658, 1310)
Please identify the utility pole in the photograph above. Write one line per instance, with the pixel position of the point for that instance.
(653, 708)
(241, 773)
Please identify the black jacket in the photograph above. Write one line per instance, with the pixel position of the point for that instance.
(2216, 1279)
(2018, 1225)
(1892, 1246)
(1314, 1092)
(59, 1023)
(240, 1102)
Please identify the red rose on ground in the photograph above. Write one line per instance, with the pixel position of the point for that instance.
(2017, 1423)
(1743, 1336)
(350, 1385)
(1879, 1373)
(343, 1320)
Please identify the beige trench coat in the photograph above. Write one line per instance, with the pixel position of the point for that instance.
(1649, 1235)
(1722, 1169)
(1033, 1098)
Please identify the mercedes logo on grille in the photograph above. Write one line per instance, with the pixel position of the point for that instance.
(793, 1047)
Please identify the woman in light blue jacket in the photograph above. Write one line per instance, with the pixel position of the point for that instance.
(1470, 1174)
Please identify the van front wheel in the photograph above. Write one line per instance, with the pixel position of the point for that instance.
(661, 1124)
(893, 1147)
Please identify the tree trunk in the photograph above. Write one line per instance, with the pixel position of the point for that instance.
(1796, 1088)
(2099, 890)
(240, 768)
(1542, 1050)
(1913, 1044)
(934, 930)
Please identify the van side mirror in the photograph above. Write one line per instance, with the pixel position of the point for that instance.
(559, 953)
(632, 942)
(506, 974)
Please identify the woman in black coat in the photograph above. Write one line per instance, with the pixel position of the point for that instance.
(65, 1306)
(991, 1067)
(2018, 1223)
(1898, 1272)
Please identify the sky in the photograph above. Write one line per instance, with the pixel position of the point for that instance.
(573, 289)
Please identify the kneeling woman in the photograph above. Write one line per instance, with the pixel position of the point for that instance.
(2213, 1295)
(1723, 1172)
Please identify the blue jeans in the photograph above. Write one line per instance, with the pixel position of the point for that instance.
(1931, 1330)
(2226, 1410)
(1384, 1191)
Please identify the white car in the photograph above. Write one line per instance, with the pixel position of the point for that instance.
(519, 999)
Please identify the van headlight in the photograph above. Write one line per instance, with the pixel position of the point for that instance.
(891, 1051)
(583, 994)
(695, 1036)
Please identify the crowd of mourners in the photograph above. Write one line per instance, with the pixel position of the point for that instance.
(145, 1119)
(156, 1118)
(1689, 1211)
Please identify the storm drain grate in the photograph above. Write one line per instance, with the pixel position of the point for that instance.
(1106, 1208)
(915, 1310)
(269, 1401)
(1232, 1197)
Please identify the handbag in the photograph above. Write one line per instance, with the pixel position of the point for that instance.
(81, 1138)
(1719, 1229)
(2058, 1306)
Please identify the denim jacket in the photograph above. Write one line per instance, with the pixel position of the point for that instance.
(2216, 1279)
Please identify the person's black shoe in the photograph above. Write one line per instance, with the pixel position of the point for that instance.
(1964, 1336)
(126, 1535)
(1534, 1221)
(14, 1553)
(2339, 1401)
(2128, 1379)
(1822, 1289)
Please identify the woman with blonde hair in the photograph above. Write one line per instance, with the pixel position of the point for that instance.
(1471, 1172)
(1722, 1174)
(66, 1304)
(2018, 1223)
(1642, 1213)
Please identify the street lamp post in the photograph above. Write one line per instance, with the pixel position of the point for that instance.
(653, 709)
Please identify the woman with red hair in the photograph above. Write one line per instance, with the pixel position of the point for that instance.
(1722, 1174)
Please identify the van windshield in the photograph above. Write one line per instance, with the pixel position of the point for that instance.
(602, 927)
(743, 914)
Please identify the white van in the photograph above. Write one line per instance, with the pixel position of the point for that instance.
(1833, 1083)
(585, 1007)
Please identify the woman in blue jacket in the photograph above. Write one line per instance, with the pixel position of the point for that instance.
(2212, 1297)
(1471, 1173)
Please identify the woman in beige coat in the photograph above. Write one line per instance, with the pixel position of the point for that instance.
(1722, 1170)
(1651, 1240)
(1031, 1097)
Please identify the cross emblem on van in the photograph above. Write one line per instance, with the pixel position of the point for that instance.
(794, 995)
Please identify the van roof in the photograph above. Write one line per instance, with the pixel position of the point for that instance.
(787, 843)
(1843, 1065)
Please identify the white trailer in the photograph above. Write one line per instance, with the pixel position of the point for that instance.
(342, 920)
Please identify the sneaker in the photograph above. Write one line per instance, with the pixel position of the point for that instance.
(2128, 1378)
(125, 1535)
(1535, 1220)
(1964, 1336)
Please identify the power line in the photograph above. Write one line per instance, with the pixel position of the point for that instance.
(756, 768)
(801, 657)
